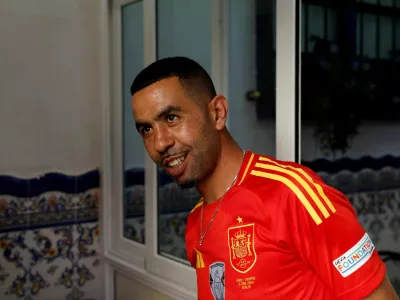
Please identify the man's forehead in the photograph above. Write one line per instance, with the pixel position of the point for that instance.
(166, 92)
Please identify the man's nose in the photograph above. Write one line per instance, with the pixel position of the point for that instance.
(162, 140)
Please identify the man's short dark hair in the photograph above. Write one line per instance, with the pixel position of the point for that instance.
(190, 74)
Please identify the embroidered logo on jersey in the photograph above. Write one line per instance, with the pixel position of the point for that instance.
(217, 280)
(241, 245)
(356, 257)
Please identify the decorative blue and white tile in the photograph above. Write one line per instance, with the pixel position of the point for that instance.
(134, 229)
(47, 262)
(49, 237)
(48, 200)
(172, 234)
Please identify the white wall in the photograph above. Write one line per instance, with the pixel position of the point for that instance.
(129, 289)
(50, 110)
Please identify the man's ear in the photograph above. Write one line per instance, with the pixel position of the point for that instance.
(218, 108)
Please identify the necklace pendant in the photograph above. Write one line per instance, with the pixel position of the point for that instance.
(201, 241)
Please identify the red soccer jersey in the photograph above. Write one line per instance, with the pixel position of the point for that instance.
(281, 232)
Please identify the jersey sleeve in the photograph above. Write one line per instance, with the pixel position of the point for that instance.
(328, 237)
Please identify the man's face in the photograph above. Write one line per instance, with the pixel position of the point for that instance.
(178, 131)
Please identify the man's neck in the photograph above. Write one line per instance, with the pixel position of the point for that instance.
(228, 166)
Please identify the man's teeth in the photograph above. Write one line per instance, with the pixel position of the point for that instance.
(176, 162)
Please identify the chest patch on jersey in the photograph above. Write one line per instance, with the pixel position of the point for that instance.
(217, 280)
(356, 257)
(242, 253)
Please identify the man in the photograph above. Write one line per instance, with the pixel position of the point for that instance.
(264, 229)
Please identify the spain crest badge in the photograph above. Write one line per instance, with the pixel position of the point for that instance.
(241, 244)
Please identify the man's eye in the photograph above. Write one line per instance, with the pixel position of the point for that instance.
(146, 130)
(171, 118)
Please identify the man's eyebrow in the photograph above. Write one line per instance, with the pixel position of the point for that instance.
(168, 110)
(165, 111)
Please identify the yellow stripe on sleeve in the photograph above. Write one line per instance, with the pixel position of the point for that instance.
(294, 189)
(301, 181)
(317, 186)
(247, 168)
(200, 203)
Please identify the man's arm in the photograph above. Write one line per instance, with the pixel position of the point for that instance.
(385, 291)
(336, 247)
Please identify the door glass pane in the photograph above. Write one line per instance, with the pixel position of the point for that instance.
(369, 35)
(351, 120)
(386, 37)
(251, 93)
(183, 29)
(133, 149)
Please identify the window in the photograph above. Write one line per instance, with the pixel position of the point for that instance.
(350, 111)
(367, 33)
(133, 150)
(371, 25)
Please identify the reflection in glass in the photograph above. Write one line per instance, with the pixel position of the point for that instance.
(133, 149)
(351, 111)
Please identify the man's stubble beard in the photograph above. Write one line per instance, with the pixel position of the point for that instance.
(190, 183)
(199, 173)
(182, 185)
(187, 185)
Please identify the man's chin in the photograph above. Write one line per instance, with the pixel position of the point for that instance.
(185, 185)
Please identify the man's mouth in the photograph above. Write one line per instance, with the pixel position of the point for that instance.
(176, 165)
(175, 161)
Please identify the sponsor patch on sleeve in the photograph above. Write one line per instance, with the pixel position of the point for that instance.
(356, 257)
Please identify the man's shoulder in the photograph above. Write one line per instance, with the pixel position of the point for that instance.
(267, 176)
(270, 179)
(196, 209)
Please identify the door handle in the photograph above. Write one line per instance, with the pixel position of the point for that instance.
(253, 95)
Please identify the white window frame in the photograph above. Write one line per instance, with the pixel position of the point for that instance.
(142, 262)
(287, 80)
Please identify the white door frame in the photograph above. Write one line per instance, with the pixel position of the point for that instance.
(287, 80)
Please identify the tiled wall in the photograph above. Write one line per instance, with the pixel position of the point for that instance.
(49, 237)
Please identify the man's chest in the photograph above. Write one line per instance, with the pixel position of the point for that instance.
(240, 254)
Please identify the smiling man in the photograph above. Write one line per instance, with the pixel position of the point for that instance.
(264, 229)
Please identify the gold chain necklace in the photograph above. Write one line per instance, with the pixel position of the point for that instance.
(202, 236)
